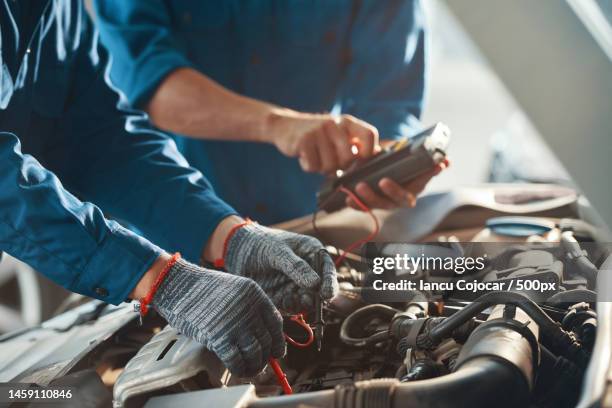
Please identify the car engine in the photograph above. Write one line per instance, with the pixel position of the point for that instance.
(495, 348)
(428, 347)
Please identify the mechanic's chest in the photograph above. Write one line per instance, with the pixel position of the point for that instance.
(34, 83)
(253, 45)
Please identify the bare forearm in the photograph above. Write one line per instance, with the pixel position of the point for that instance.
(148, 279)
(190, 103)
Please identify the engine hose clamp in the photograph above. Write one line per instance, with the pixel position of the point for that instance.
(410, 340)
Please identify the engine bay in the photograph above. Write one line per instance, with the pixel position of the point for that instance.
(515, 351)
(428, 348)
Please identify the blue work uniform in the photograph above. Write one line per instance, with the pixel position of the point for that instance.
(365, 58)
(59, 121)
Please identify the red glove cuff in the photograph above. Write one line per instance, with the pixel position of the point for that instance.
(146, 300)
(220, 263)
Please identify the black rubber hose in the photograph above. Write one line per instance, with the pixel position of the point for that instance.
(562, 342)
(481, 382)
(572, 296)
(358, 318)
(445, 328)
(494, 371)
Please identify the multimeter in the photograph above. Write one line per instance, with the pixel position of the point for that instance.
(402, 162)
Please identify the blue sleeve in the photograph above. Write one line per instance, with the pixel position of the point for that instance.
(385, 81)
(133, 172)
(67, 240)
(139, 37)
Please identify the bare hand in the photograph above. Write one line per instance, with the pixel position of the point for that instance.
(394, 195)
(323, 143)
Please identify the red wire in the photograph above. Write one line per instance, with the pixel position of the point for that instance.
(361, 241)
(299, 319)
(280, 376)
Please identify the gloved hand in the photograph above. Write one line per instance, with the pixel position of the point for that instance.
(284, 264)
(230, 315)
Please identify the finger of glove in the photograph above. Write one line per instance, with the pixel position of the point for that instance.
(329, 286)
(294, 267)
(252, 353)
(282, 296)
(273, 284)
(278, 299)
(301, 300)
(289, 303)
(305, 300)
(297, 302)
(231, 357)
(274, 324)
(265, 341)
(295, 299)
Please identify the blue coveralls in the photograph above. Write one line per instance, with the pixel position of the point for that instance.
(59, 121)
(364, 57)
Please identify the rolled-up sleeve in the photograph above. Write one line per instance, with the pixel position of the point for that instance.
(385, 80)
(64, 238)
(139, 36)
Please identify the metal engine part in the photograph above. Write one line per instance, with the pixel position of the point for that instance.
(168, 360)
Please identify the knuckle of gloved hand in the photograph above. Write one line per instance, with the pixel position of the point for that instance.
(287, 304)
(277, 318)
(328, 292)
(232, 360)
(279, 348)
(306, 301)
(311, 242)
(252, 290)
(237, 368)
(255, 360)
(278, 252)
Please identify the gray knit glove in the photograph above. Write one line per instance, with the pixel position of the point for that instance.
(229, 314)
(289, 267)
